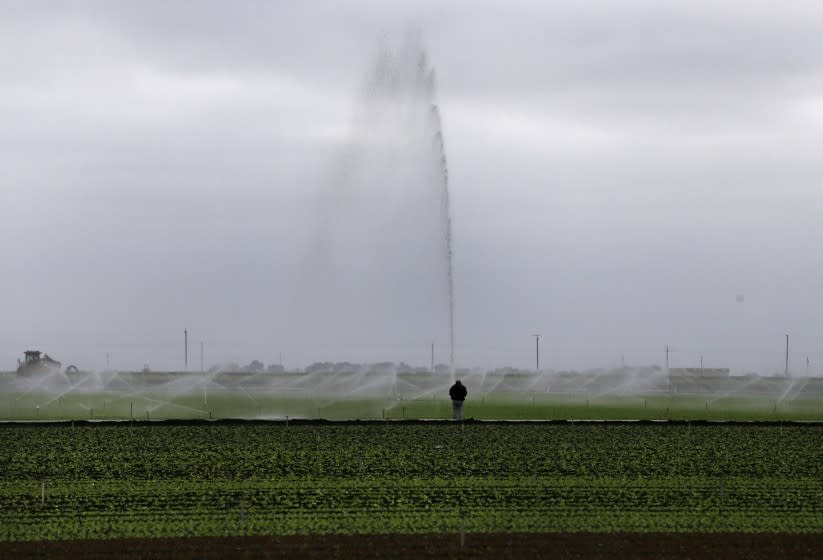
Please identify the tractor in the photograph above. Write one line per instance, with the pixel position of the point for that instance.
(35, 363)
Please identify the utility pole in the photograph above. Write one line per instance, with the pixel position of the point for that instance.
(668, 350)
(786, 369)
(807, 366)
(537, 351)
(186, 349)
(701, 363)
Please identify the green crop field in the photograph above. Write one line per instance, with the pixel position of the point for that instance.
(113, 481)
(144, 405)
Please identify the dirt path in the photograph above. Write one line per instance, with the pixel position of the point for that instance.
(497, 546)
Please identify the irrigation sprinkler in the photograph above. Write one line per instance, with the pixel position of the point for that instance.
(786, 371)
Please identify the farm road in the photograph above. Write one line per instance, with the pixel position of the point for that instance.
(560, 546)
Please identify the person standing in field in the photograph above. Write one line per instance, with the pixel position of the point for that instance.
(458, 394)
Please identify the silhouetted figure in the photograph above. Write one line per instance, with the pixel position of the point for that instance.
(458, 394)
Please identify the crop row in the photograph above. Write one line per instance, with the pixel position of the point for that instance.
(538, 496)
(117, 481)
(242, 522)
(241, 452)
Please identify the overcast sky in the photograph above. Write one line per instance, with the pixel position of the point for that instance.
(621, 172)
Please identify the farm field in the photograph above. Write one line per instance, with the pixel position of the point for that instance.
(103, 481)
(142, 405)
(374, 395)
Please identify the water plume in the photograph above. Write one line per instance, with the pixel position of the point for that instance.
(384, 273)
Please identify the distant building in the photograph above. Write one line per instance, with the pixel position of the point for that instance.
(699, 372)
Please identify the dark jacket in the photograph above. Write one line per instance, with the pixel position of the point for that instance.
(458, 392)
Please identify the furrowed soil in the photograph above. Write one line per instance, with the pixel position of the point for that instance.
(564, 546)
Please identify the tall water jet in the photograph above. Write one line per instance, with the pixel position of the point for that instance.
(386, 232)
(440, 153)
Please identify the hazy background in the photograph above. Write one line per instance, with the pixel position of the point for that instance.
(621, 173)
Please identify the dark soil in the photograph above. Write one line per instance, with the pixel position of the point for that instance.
(497, 546)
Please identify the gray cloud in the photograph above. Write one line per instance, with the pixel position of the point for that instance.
(620, 171)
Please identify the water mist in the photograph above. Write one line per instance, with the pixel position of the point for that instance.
(386, 277)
